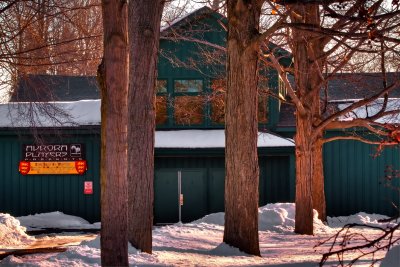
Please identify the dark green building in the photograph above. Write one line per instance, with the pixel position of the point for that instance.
(189, 139)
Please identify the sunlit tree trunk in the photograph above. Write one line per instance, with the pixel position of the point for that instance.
(241, 161)
(144, 31)
(318, 184)
(113, 79)
(307, 49)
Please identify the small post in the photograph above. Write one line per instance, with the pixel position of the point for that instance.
(179, 195)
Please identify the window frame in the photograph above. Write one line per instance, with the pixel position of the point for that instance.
(202, 93)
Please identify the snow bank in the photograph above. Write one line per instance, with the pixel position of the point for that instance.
(359, 218)
(11, 232)
(56, 220)
(278, 217)
(213, 218)
(199, 243)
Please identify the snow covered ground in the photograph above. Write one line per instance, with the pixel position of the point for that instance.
(198, 243)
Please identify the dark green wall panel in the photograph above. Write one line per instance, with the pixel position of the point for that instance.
(355, 178)
(194, 190)
(166, 196)
(22, 195)
(203, 185)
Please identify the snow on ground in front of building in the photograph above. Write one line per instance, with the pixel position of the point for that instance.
(200, 243)
(56, 220)
(12, 233)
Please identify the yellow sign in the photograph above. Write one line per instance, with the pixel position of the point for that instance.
(53, 167)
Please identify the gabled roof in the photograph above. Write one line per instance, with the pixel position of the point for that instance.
(46, 88)
(342, 88)
(360, 85)
(194, 16)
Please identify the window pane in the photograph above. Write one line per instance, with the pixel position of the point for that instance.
(161, 110)
(188, 86)
(189, 110)
(161, 86)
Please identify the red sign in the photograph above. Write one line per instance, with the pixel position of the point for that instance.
(88, 187)
(24, 167)
(80, 166)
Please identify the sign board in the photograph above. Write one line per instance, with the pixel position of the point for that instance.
(53, 167)
(53, 159)
(53, 152)
(88, 187)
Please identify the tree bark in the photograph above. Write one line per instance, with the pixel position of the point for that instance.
(144, 31)
(241, 128)
(318, 184)
(308, 51)
(113, 79)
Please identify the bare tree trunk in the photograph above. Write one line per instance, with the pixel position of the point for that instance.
(144, 31)
(241, 161)
(318, 190)
(113, 79)
(308, 51)
(304, 174)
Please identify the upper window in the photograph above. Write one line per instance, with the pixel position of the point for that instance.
(188, 86)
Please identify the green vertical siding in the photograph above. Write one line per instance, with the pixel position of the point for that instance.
(355, 178)
(30, 194)
(203, 185)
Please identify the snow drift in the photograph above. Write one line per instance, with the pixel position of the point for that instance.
(11, 232)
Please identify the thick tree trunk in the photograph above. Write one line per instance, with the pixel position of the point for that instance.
(318, 190)
(304, 174)
(144, 31)
(241, 161)
(308, 51)
(113, 79)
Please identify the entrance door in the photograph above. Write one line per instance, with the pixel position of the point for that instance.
(166, 195)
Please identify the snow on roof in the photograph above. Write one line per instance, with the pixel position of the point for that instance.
(371, 109)
(87, 112)
(211, 139)
(50, 114)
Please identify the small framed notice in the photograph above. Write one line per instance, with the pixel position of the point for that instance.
(88, 187)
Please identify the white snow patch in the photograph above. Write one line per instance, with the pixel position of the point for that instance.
(200, 243)
(360, 218)
(56, 219)
(278, 217)
(50, 114)
(213, 218)
(393, 104)
(11, 232)
(211, 139)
